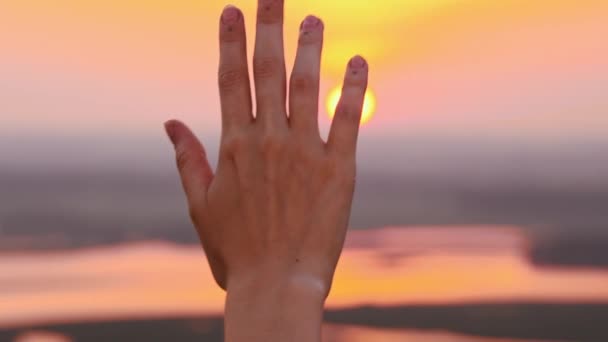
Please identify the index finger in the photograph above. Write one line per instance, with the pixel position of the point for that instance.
(233, 76)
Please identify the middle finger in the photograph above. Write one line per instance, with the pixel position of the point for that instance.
(269, 63)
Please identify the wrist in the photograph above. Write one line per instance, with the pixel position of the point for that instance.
(275, 305)
(277, 283)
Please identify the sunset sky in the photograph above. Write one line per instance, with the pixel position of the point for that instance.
(511, 68)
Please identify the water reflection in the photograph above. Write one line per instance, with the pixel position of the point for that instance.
(41, 336)
(331, 333)
(388, 267)
(345, 333)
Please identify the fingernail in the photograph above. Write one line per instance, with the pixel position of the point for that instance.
(311, 22)
(170, 129)
(357, 62)
(230, 15)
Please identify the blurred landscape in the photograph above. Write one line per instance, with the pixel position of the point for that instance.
(557, 194)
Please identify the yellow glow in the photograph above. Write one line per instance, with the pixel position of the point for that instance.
(369, 104)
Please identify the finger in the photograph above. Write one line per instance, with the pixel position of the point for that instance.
(304, 84)
(345, 126)
(233, 76)
(192, 164)
(269, 63)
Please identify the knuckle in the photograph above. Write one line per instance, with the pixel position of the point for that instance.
(310, 38)
(188, 158)
(234, 143)
(270, 11)
(272, 144)
(356, 79)
(231, 34)
(230, 78)
(307, 159)
(182, 159)
(329, 169)
(302, 82)
(227, 36)
(349, 112)
(265, 67)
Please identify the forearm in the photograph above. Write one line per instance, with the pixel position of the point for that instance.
(274, 310)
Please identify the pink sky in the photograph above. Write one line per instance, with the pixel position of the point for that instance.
(440, 67)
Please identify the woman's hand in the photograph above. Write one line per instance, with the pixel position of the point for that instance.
(273, 218)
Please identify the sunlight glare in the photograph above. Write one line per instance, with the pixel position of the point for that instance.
(369, 104)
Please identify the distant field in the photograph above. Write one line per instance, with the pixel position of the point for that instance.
(565, 222)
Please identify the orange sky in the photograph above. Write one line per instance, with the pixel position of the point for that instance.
(512, 67)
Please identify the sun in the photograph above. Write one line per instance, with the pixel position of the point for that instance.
(369, 104)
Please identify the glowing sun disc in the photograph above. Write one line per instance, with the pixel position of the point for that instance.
(369, 104)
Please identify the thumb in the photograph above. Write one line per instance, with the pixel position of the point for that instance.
(191, 158)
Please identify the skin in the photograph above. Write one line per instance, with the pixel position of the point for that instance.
(273, 217)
